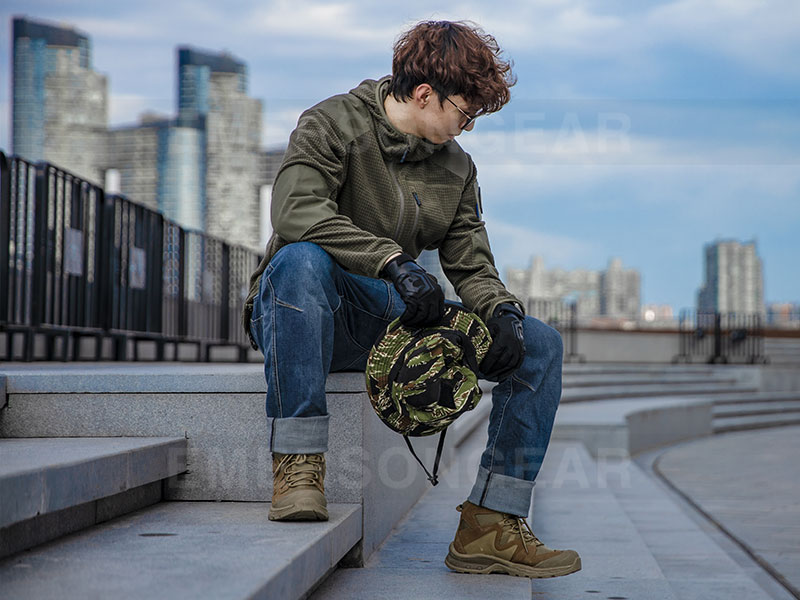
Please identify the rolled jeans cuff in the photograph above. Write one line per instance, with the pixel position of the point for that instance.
(299, 435)
(502, 493)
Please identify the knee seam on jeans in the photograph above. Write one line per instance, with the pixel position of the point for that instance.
(287, 305)
(500, 423)
(525, 383)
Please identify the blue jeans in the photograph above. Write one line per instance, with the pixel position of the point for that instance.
(311, 318)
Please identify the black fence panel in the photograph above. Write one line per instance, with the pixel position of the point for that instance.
(203, 281)
(562, 316)
(242, 263)
(134, 269)
(76, 262)
(721, 337)
(69, 239)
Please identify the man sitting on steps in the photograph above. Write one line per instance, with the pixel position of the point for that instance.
(370, 179)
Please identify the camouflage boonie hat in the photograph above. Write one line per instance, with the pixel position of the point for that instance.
(421, 380)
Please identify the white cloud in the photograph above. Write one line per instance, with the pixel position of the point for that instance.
(763, 34)
(343, 22)
(574, 145)
(513, 244)
(279, 124)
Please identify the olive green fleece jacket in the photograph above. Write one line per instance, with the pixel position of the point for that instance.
(362, 190)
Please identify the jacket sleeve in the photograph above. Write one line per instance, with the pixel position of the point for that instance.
(467, 259)
(304, 207)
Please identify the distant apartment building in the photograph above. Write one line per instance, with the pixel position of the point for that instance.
(60, 105)
(613, 293)
(620, 291)
(734, 281)
(204, 168)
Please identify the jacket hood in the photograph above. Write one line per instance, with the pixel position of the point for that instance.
(403, 147)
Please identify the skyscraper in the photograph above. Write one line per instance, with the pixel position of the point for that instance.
(60, 105)
(203, 168)
(734, 281)
(212, 98)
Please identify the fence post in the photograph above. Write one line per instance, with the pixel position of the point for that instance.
(5, 234)
(225, 285)
(183, 321)
(717, 357)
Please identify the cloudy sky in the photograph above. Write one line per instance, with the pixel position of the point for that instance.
(639, 130)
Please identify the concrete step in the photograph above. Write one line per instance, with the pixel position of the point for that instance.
(43, 475)
(591, 380)
(743, 423)
(52, 486)
(192, 550)
(732, 398)
(219, 409)
(634, 368)
(763, 407)
(638, 390)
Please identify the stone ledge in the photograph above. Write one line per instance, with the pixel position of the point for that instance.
(188, 550)
(153, 378)
(624, 427)
(44, 475)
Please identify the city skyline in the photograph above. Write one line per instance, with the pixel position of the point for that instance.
(642, 133)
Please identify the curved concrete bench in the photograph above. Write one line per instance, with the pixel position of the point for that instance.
(622, 428)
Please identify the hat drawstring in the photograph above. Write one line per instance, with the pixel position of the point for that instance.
(432, 478)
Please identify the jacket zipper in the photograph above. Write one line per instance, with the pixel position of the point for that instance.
(393, 173)
(417, 206)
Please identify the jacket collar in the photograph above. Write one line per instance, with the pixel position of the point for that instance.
(394, 144)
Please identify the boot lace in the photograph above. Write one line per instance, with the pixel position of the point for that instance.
(519, 525)
(301, 469)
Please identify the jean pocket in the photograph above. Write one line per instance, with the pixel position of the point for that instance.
(523, 382)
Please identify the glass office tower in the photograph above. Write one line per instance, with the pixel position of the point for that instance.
(60, 105)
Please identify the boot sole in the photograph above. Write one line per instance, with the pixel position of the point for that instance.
(298, 513)
(483, 564)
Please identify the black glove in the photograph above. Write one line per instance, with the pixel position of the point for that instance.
(508, 344)
(420, 291)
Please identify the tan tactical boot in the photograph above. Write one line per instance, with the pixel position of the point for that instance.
(492, 542)
(298, 491)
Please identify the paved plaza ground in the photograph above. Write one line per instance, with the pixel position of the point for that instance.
(638, 539)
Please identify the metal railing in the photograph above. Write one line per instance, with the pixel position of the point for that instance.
(721, 337)
(77, 262)
(562, 316)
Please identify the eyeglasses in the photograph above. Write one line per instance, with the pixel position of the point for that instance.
(469, 118)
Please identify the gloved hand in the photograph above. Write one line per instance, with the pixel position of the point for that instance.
(420, 291)
(508, 345)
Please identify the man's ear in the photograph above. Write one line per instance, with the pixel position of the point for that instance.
(423, 95)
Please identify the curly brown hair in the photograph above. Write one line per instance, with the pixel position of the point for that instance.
(455, 58)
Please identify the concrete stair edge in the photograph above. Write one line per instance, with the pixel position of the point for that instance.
(44, 475)
(742, 409)
(633, 391)
(216, 550)
(743, 423)
(734, 398)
